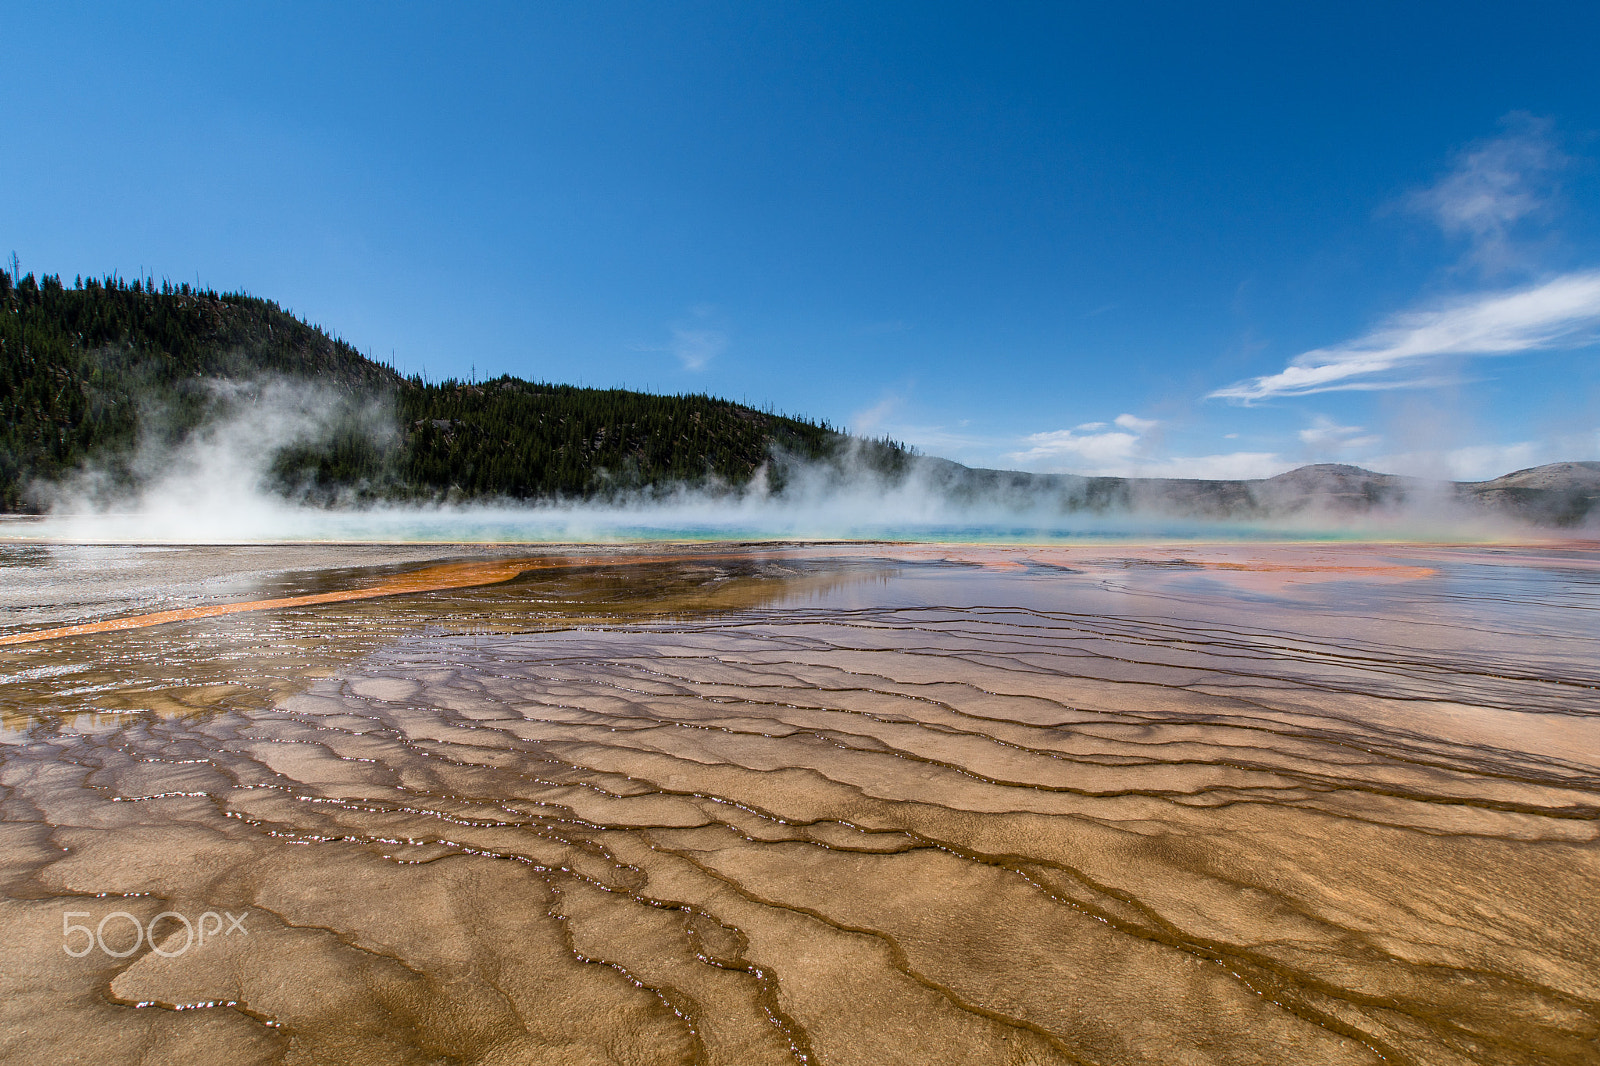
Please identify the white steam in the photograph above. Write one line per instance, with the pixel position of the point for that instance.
(214, 486)
(217, 487)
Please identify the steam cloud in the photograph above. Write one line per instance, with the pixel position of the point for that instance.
(217, 486)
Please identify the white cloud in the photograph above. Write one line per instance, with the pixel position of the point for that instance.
(1324, 434)
(697, 347)
(1493, 185)
(1093, 443)
(1096, 450)
(1561, 312)
(1135, 425)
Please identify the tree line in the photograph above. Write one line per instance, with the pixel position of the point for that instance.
(94, 372)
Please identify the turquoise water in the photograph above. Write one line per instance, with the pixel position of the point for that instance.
(547, 527)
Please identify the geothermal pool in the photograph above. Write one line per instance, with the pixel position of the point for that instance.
(850, 803)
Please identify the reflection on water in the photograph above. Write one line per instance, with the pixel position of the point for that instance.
(829, 805)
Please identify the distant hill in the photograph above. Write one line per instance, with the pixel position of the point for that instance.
(1560, 494)
(105, 371)
(79, 365)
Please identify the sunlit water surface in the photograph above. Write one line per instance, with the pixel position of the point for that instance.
(876, 519)
(837, 804)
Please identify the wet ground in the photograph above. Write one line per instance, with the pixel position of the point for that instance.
(834, 804)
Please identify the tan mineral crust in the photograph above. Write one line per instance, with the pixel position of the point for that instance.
(826, 804)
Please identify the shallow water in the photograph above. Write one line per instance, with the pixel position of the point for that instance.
(876, 516)
(845, 804)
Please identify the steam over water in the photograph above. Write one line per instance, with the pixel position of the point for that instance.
(863, 804)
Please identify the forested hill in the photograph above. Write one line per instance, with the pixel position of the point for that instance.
(104, 371)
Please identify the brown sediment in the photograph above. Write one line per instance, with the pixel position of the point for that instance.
(934, 814)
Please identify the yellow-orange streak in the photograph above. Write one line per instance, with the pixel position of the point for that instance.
(428, 579)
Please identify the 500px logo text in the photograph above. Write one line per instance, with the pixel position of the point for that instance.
(210, 924)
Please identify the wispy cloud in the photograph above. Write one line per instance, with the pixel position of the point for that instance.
(1096, 449)
(869, 421)
(1134, 424)
(1225, 466)
(1477, 462)
(1562, 312)
(1123, 448)
(1495, 184)
(974, 449)
(1094, 443)
(1326, 435)
(695, 342)
(697, 347)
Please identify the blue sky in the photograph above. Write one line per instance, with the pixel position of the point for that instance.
(1178, 239)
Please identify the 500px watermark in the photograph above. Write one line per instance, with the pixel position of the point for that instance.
(210, 924)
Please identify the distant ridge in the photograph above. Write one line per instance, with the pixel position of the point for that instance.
(1557, 494)
(1550, 476)
(1562, 494)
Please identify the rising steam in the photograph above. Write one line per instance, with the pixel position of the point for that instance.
(223, 483)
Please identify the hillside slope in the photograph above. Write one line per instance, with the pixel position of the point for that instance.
(106, 373)
(1559, 494)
